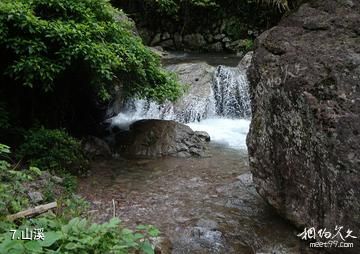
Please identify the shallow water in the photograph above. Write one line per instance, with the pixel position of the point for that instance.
(206, 205)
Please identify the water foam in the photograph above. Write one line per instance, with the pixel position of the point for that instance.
(228, 132)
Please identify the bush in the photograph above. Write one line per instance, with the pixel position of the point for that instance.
(41, 40)
(53, 150)
(80, 236)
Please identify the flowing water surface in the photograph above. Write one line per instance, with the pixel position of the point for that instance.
(206, 205)
(203, 205)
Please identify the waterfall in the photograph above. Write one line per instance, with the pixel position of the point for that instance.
(231, 93)
(222, 107)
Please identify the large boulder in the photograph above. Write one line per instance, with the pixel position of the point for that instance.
(304, 140)
(157, 138)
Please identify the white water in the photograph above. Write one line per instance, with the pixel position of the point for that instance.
(224, 113)
(228, 132)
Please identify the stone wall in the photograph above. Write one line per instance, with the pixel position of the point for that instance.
(232, 26)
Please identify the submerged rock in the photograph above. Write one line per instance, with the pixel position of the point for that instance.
(304, 140)
(157, 138)
(96, 148)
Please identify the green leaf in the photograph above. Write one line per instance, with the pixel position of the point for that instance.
(147, 248)
(71, 246)
(50, 238)
(33, 246)
(153, 231)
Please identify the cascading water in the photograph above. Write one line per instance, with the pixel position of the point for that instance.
(223, 110)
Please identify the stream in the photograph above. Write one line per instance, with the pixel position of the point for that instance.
(202, 205)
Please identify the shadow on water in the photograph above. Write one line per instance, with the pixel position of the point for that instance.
(204, 205)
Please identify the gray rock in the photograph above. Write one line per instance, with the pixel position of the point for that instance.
(194, 41)
(219, 37)
(155, 40)
(35, 197)
(203, 135)
(96, 148)
(157, 138)
(199, 76)
(304, 139)
(167, 44)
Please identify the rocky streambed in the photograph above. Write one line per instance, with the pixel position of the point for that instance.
(202, 205)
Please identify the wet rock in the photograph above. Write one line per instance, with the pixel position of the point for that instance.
(304, 138)
(203, 135)
(199, 76)
(96, 148)
(157, 138)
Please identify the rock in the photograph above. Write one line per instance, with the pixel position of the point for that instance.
(219, 37)
(96, 148)
(246, 61)
(194, 41)
(161, 52)
(155, 40)
(167, 44)
(203, 135)
(304, 139)
(157, 138)
(35, 197)
(165, 36)
(199, 77)
(226, 39)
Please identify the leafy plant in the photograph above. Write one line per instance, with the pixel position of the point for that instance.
(12, 196)
(44, 39)
(53, 150)
(79, 236)
(62, 233)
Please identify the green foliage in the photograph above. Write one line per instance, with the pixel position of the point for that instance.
(248, 44)
(53, 150)
(79, 236)
(45, 38)
(12, 196)
(62, 233)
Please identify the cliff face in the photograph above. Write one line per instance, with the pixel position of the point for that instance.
(304, 141)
